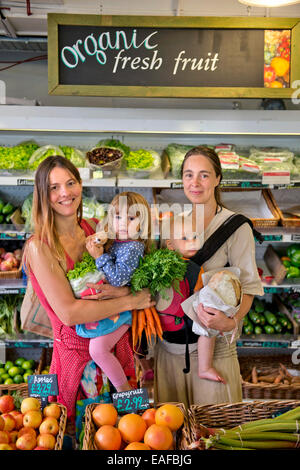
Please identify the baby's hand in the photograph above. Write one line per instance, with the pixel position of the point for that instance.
(94, 248)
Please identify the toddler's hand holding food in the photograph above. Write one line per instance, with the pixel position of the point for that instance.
(94, 246)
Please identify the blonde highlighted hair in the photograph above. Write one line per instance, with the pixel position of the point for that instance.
(139, 207)
(42, 212)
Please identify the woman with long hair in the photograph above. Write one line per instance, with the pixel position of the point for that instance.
(201, 177)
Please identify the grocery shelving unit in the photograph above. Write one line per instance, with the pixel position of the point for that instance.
(148, 128)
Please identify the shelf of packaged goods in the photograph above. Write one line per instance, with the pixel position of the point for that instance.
(280, 234)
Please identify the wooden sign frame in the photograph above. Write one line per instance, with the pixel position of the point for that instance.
(55, 88)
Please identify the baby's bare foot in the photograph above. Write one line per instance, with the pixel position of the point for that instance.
(211, 374)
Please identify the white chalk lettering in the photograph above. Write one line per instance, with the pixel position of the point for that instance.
(206, 63)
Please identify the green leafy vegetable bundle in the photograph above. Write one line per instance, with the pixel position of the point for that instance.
(84, 271)
(81, 268)
(141, 159)
(158, 270)
(17, 157)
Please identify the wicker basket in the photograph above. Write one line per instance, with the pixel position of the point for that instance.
(260, 222)
(266, 365)
(285, 221)
(182, 435)
(229, 415)
(8, 389)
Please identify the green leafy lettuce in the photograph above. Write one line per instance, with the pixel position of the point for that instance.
(81, 268)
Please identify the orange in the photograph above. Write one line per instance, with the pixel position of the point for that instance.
(137, 446)
(158, 437)
(280, 65)
(169, 415)
(149, 416)
(132, 427)
(108, 437)
(105, 413)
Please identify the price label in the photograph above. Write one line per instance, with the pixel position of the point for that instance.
(131, 400)
(25, 181)
(276, 177)
(42, 386)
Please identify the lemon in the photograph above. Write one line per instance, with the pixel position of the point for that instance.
(8, 381)
(14, 371)
(18, 379)
(8, 365)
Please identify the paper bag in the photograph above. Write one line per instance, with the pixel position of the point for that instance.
(208, 298)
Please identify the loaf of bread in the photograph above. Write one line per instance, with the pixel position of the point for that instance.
(227, 285)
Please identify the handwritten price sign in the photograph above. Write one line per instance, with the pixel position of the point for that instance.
(42, 386)
(131, 401)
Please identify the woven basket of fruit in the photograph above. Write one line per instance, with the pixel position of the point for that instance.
(267, 424)
(25, 426)
(143, 430)
(10, 263)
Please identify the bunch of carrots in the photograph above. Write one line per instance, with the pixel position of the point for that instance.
(145, 320)
(158, 270)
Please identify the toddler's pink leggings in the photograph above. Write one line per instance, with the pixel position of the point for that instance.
(101, 353)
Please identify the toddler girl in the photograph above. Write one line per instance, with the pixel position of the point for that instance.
(125, 238)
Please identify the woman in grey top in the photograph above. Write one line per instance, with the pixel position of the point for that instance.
(201, 176)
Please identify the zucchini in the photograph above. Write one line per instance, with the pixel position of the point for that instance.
(254, 317)
(258, 305)
(269, 329)
(270, 317)
(262, 319)
(278, 328)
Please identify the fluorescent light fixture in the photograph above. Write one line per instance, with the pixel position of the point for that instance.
(269, 3)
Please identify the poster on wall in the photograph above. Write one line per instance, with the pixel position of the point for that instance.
(91, 55)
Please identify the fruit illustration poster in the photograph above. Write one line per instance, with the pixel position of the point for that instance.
(277, 55)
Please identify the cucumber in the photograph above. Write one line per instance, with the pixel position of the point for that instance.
(270, 317)
(269, 329)
(258, 330)
(258, 305)
(248, 329)
(278, 328)
(7, 209)
(254, 317)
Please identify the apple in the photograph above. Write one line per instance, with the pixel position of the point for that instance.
(27, 430)
(4, 437)
(6, 265)
(46, 440)
(7, 403)
(40, 448)
(18, 418)
(9, 422)
(5, 447)
(52, 410)
(49, 425)
(13, 436)
(26, 442)
(1, 423)
(13, 445)
(32, 418)
(29, 404)
(8, 255)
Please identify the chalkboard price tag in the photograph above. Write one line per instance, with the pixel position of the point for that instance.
(131, 400)
(42, 386)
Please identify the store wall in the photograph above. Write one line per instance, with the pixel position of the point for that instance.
(29, 81)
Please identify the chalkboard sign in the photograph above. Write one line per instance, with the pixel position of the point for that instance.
(131, 401)
(42, 386)
(167, 56)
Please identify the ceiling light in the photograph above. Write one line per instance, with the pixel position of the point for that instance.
(268, 3)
